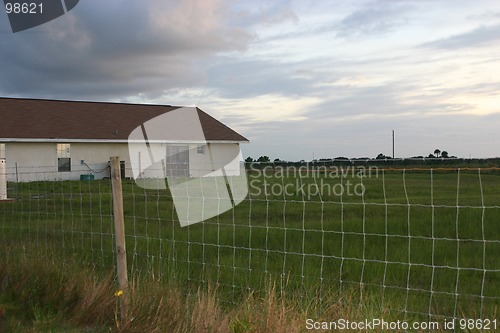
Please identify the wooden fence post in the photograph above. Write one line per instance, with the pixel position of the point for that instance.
(121, 253)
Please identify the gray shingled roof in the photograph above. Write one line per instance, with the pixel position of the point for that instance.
(57, 119)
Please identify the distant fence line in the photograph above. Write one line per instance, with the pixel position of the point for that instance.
(386, 162)
(20, 173)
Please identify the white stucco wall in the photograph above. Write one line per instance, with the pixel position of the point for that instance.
(38, 161)
(34, 161)
(217, 156)
(96, 157)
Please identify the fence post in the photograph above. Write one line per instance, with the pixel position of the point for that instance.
(121, 253)
(3, 180)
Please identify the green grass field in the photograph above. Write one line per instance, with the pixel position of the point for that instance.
(419, 243)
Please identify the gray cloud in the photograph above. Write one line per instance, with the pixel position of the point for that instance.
(372, 20)
(346, 101)
(117, 48)
(269, 14)
(234, 78)
(362, 104)
(482, 36)
(486, 16)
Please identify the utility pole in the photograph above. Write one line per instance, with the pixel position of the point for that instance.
(393, 144)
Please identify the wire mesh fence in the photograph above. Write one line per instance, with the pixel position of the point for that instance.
(423, 242)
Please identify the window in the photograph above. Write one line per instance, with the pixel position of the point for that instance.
(63, 157)
(2, 150)
(200, 150)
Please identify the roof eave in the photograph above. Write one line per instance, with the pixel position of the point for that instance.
(62, 140)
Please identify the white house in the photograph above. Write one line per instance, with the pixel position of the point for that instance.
(67, 140)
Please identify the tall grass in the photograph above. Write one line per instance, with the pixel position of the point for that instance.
(41, 295)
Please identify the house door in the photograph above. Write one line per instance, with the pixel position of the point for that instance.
(177, 161)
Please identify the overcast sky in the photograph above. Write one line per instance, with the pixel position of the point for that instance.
(297, 78)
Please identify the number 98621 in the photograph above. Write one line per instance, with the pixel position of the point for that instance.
(24, 8)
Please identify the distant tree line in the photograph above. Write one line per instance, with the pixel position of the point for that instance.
(262, 159)
(437, 154)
